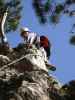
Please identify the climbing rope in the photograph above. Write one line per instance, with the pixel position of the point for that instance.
(17, 60)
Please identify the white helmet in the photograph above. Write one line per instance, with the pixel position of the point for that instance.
(24, 29)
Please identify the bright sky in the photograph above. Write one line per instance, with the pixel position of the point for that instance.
(62, 55)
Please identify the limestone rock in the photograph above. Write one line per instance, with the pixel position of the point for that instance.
(25, 76)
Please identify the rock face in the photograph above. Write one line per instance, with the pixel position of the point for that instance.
(24, 76)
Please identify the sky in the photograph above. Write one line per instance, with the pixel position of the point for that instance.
(62, 53)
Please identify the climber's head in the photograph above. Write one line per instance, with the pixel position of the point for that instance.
(24, 31)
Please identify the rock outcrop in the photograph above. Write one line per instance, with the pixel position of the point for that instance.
(24, 76)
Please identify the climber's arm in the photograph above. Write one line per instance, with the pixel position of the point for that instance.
(31, 39)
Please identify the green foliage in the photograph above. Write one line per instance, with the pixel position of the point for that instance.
(53, 9)
(72, 40)
(39, 9)
(14, 13)
(59, 8)
(54, 18)
(69, 90)
(47, 5)
(46, 11)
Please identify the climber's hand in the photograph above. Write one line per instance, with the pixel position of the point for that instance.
(29, 45)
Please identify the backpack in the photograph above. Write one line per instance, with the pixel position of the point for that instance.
(45, 43)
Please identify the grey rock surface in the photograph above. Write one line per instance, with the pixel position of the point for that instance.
(25, 77)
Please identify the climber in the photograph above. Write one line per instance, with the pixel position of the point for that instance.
(41, 42)
(45, 46)
(30, 37)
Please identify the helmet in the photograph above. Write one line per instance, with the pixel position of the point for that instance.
(24, 29)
